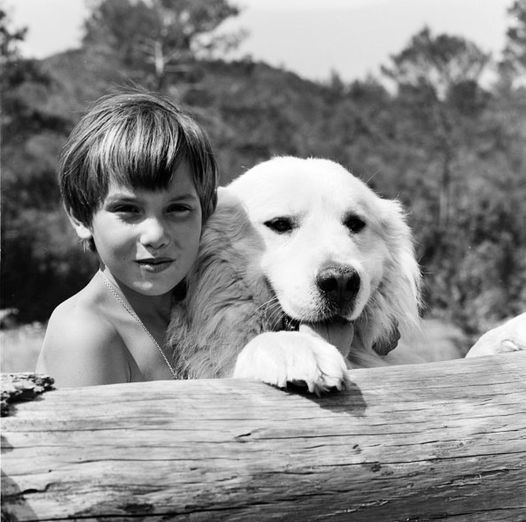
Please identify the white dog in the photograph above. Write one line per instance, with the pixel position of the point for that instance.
(297, 243)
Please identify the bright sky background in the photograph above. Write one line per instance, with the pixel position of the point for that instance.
(310, 37)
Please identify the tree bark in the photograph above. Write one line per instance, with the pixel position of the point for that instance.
(416, 442)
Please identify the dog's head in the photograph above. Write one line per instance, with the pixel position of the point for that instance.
(332, 248)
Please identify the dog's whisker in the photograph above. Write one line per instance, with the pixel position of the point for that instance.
(272, 301)
(372, 176)
(276, 318)
(271, 310)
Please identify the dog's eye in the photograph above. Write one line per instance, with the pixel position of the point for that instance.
(354, 223)
(281, 225)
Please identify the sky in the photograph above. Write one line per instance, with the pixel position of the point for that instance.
(309, 37)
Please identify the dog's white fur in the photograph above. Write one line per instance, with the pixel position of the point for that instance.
(510, 336)
(249, 278)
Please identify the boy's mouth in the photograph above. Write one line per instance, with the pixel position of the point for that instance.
(155, 264)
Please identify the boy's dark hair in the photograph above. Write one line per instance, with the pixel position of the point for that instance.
(138, 140)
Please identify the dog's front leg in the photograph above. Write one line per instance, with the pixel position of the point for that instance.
(279, 358)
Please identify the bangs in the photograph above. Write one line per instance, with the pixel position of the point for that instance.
(142, 151)
(139, 141)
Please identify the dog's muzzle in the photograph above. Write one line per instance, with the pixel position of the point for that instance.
(338, 285)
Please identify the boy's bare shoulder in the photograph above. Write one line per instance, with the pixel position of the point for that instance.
(75, 318)
(82, 346)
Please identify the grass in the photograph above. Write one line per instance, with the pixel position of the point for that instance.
(20, 347)
(438, 341)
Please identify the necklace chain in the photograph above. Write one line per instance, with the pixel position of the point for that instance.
(113, 290)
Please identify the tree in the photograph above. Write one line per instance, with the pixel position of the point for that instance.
(24, 86)
(514, 55)
(159, 37)
(473, 251)
(38, 266)
(437, 79)
(9, 39)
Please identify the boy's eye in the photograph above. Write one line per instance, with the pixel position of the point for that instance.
(179, 208)
(125, 209)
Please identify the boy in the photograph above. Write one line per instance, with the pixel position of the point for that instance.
(138, 179)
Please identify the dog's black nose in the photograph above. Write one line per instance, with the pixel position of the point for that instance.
(339, 284)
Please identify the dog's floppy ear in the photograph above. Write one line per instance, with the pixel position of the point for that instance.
(393, 310)
(384, 345)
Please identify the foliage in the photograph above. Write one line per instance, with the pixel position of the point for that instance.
(437, 80)
(158, 39)
(39, 265)
(9, 38)
(450, 149)
(514, 60)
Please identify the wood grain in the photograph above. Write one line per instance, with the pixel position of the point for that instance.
(420, 442)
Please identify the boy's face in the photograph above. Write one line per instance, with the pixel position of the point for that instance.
(149, 239)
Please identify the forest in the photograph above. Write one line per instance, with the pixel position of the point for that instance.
(430, 130)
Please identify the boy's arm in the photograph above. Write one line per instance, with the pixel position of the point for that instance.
(81, 349)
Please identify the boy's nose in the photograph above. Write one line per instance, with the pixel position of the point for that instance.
(153, 233)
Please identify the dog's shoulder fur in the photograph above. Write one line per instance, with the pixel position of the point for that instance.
(225, 303)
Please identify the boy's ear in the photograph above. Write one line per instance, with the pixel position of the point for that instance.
(83, 232)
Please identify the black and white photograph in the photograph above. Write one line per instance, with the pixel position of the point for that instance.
(263, 260)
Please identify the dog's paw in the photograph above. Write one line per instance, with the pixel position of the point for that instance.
(509, 337)
(279, 358)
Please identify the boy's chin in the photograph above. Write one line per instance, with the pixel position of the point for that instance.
(178, 290)
(153, 290)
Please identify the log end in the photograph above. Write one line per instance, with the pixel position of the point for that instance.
(18, 387)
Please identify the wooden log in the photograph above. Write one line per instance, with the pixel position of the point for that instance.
(413, 442)
(17, 387)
